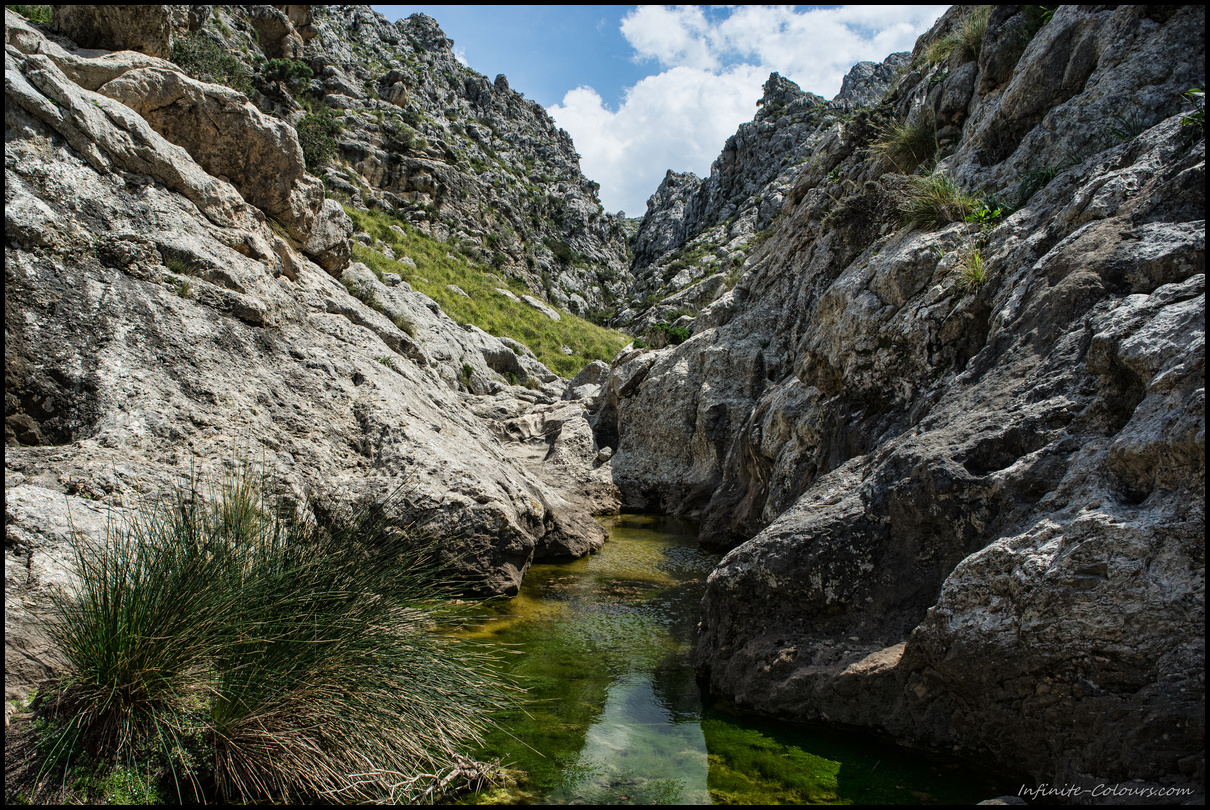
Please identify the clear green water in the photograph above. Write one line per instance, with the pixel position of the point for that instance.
(612, 714)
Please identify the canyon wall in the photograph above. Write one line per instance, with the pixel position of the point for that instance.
(950, 415)
(180, 301)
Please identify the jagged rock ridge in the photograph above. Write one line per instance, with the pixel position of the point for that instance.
(696, 234)
(466, 159)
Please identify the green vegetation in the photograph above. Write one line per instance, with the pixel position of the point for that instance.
(317, 133)
(972, 272)
(207, 61)
(1033, 181)
(967, 40)
(38, 14)
(178, 265)
(674, 335)
(907, 145)
(290, 72)
(224, 647)
(933, 201)
(985, 213)
(438, 266)
(1196, 97)
(1128, 125)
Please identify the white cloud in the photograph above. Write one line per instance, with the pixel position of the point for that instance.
(713, 69)
(677, 119)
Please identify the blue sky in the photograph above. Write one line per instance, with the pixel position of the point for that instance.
(644, 89)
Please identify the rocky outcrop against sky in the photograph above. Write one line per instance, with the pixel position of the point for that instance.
(468, 159)
(179, 300)
(698, 229)
(961, 457)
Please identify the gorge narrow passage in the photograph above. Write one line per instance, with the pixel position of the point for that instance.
(613, 715)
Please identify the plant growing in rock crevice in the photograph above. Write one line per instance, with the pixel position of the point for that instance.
(972, 271)
(934, 200)
(908, 144)
(966, 40)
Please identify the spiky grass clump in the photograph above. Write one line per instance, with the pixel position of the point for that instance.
(907, 145)
(972, 270)
(934, 200)
(967, 39)
(303, 656)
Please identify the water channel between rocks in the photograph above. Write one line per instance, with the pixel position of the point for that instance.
(612, 713)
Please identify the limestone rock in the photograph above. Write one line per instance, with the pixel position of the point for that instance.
(538, 305)
(229, 138)
(866, 82)
(156, 323)
(328, 243)
(148, 29)
(695, 229)
(945, 498)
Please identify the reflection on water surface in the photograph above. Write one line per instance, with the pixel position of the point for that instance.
(612, 714)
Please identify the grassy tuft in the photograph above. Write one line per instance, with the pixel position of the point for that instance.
(907, 145)
(967, 39)
(255, 655)
(933, 201)
(972, 271)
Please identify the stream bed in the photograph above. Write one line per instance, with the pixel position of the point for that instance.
(612, 714)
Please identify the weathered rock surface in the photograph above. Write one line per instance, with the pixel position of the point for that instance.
(968, 512)
(155, 323)
(422, 136)
(148, 29)
(229, 138)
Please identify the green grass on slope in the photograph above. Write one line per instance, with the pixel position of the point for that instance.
(437, 266)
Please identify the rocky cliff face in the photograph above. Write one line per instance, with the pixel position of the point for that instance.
(179, 298)
(961, 452)
(696, 233)
(420, 135)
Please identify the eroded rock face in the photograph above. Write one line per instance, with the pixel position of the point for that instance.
(695, 229)
(229, 138)
(967, 512)
(155, 324)
(424, 137)
(147, 28)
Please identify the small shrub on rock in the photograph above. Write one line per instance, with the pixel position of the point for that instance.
(206, 60)
(317, 133)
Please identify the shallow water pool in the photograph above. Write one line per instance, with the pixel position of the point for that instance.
(612, 714)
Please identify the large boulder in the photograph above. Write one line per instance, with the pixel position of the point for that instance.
(229, 138)
(148, 29)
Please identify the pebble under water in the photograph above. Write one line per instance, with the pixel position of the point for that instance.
(612, 714)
